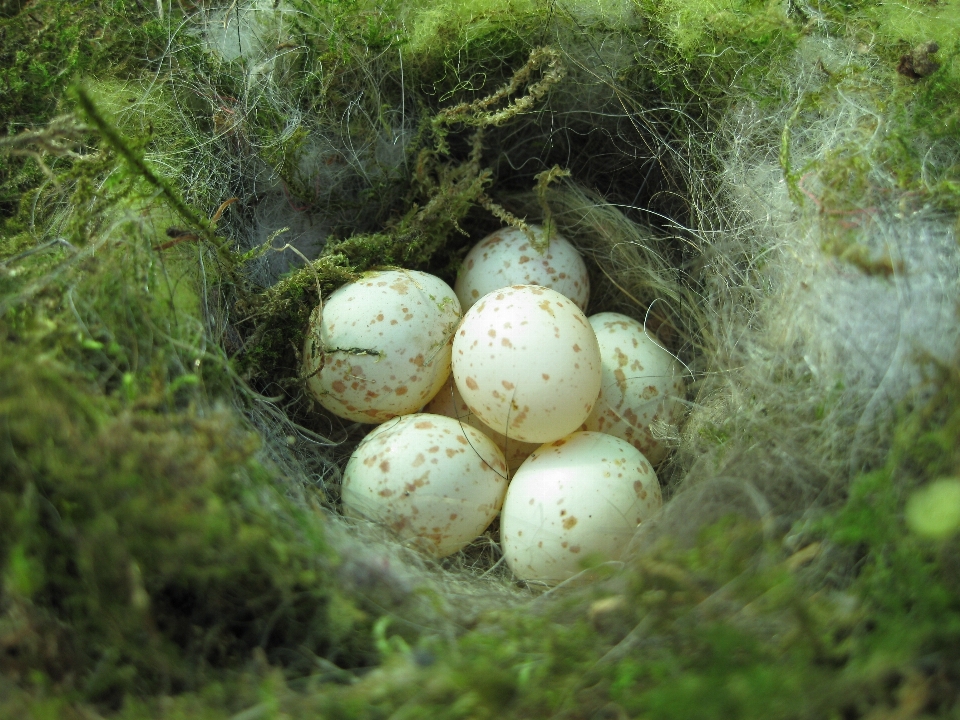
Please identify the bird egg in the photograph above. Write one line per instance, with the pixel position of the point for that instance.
(527, 363)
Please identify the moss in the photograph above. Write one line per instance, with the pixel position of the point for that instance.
(45, 46)
(145, 552)
(904, 151)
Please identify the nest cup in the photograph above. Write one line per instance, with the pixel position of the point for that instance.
(638, 267)
(645, 177)
(623, 198)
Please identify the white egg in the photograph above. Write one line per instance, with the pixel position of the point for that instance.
(527, 363)
(380, 347)
(428, 478)
(642, 384)
(578, 498)
(450, 403)
(506, 257)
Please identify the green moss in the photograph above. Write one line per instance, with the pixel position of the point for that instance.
(43, 48)
(902, 26)
(152, 549)
(904, 151)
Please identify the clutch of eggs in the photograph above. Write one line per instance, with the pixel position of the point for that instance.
(380, 347)
(528, 368)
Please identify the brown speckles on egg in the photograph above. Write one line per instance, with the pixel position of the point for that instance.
(399, 525)
(519, 417)
(621, 380)
(385, 466)
(416, 484)
(472, 384)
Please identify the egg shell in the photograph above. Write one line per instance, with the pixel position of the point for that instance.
(527, 363)
(642, 384)
(428, 478)
(507, 257)
(380, 347)
(579, 497)
(450, 403)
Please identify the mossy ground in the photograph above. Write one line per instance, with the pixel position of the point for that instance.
(154, 564)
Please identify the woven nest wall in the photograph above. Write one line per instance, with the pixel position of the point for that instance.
(771, 191)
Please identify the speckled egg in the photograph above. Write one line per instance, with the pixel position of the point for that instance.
(527, 363)
(429, 478)
(380, 347)
(449, 402)
(507, 257)
(642, 384)
(580, 497)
